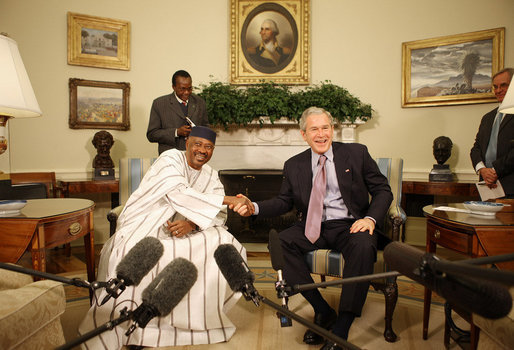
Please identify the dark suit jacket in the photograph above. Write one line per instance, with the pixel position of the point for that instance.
(358, 177)
(504, 163)
(166, 116)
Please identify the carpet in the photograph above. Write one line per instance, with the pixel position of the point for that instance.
(259, 328)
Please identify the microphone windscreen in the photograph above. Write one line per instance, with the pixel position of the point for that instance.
(275, 251)
(139, 260)
(170, 286)
(233, 267)
(487, 299)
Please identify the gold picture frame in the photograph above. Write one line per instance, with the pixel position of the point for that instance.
(99, 105)
(98, 42)
(452, 70)
(289, 63)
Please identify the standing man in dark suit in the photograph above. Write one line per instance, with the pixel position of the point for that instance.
(173, 115)
(492, 154)
(346, 218)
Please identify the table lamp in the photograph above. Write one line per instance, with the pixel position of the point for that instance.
(17, 99)
(507, 105)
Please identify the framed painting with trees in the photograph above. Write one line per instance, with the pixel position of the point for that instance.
(452, 70)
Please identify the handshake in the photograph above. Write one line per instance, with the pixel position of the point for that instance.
(240, 204)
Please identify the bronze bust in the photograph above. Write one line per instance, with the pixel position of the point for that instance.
(442, 150)
(102, 163)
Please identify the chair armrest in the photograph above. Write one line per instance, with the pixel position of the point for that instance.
(397, 218)
(13, 280)
(112, 217)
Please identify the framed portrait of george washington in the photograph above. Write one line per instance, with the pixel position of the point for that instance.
(270, 41)
(452, 70)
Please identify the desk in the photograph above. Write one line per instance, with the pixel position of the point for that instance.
(472, 235)
(91, 186)
(46, 223)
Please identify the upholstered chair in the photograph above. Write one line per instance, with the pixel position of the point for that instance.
(326, 262)
(131, 172)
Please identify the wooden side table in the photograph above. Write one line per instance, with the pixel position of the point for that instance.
(46, 223)
(91, 186)
(472, 235)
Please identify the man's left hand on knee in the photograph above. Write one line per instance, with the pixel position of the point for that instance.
(362, 225)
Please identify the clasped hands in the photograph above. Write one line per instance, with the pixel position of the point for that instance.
(240, 204)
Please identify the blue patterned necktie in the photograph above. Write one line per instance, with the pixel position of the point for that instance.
(315, 210)
(490, 154)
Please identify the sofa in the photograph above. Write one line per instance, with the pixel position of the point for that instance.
(30, 312)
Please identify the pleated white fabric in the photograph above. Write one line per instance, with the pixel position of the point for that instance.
(170, 190)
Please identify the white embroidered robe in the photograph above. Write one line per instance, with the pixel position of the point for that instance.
(170, 189)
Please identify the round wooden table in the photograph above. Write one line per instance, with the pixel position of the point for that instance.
(46, 223)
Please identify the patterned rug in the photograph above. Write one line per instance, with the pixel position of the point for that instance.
(265, 276)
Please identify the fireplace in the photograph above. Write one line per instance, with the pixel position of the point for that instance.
(256, 184)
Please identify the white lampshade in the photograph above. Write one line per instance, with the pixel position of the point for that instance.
(17, 99)
(507, 106)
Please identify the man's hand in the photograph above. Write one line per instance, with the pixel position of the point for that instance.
(180, 228)
(240, 204)
(184, 130)
(362, 225)
(489, 175)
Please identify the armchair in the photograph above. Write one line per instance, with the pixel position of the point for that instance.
(30, 312)
(131, 172)
(326, 262)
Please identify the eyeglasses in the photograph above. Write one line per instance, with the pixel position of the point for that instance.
(207, 146)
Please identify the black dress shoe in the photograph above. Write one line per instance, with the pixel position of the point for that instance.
(330, 345)
(325, 321)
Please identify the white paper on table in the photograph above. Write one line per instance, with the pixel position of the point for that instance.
(490, 193)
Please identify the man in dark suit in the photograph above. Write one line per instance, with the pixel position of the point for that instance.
(490, 162)
(171, 115)
(346, 222)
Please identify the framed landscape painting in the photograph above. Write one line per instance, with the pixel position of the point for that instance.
(99, 105)
(98, 42)
(452, 70)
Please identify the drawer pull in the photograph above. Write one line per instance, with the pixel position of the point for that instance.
(75, 229)
(251, 177)
(437, 234)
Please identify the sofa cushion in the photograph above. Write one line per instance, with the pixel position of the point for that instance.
(28, 311)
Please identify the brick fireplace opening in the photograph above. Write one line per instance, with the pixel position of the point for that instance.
(256, 184)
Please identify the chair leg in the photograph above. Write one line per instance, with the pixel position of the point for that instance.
(391, 297)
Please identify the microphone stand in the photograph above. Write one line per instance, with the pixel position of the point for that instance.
(73, 281)
(320, 330)
(364, 278)
(125, 316)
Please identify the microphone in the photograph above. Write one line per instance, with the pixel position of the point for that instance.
(489, 300)
(236, 272)
(240, 279)
(164, 292)
(159, 298)
(133, 267)
(277, 262)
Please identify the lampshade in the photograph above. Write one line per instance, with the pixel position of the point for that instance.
(507, 106)
(17, 98)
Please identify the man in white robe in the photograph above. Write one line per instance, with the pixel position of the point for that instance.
(181, 202)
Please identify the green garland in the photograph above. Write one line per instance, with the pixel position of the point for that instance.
(231, 105)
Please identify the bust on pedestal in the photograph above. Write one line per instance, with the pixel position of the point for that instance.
(442, 149)
(103, 164)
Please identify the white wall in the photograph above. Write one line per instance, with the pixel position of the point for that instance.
(356, 44)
